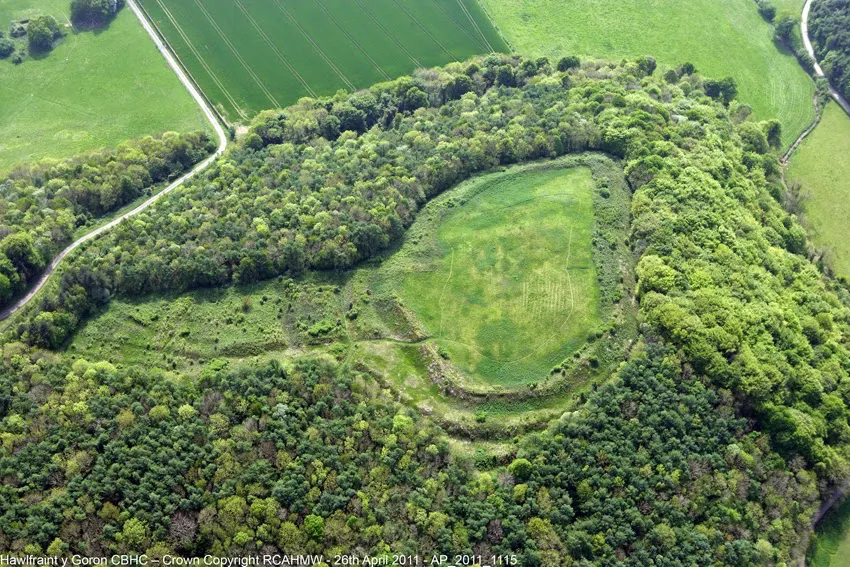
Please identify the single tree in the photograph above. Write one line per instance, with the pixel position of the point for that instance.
(42, 31)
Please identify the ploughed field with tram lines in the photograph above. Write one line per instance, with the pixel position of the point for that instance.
(250, 55)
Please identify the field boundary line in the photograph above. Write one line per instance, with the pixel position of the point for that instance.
(197, 54)
(275, 49)
(315, 45)
(423, 28)
(352, 40)
(496, 27)
(238, 55)
(222, 145)
(475, 25)
(388, 34)
(460, 27)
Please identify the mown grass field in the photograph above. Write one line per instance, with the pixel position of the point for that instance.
(821, 164)
(511, 290)
(720, 37)
(831, 547)
(250, 55)
(96, 89)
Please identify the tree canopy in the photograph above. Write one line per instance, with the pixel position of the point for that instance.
(94, 13)
(829, 29)
(43, 204)
(707, 447)
(42, 31)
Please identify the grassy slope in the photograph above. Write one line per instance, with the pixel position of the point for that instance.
(821, 165)
(721, 37)
(278, 51)
(832, 546)
(512, 290)
(94, 90)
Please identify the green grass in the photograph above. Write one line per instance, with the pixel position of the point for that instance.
(184, 332)
(720, 37)
(369, 317)
(831, 546)
(821, 165)
(512, 289)
(94, 90)
(250, 55)
(789, 6)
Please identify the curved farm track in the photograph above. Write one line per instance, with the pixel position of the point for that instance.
(819, 74)
(222, 144)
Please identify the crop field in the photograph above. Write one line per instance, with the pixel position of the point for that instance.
(82, 96)
(821, 165)
(831, 548)
(721, 37)
(250, 55)
(507, 285)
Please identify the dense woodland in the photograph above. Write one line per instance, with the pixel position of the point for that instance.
(43, 204)
(829, 29)
(316, 459)
(708, 447)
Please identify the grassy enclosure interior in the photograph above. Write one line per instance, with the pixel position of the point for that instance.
(508, 287)
(721, 37)
(95, 89)
(822, 166)
(250, 55)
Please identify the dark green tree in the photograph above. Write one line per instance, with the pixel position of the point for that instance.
(42, 31)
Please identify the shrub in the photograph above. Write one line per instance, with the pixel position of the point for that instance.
(42, 31)
(567, 63)
(767, 10)
(94, 12)
(7, 47)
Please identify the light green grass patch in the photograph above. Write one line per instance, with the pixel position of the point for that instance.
(95, 89)
(720, 37)
(831, 545)
(512, 290)
(821, 164)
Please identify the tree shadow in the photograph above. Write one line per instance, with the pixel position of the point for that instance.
(96, 27)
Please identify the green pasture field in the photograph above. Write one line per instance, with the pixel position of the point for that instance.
(508, 285)
(822, 167)
(251, 55)
(95, 89)
(794, 7)
(831, 545)
(721, 37)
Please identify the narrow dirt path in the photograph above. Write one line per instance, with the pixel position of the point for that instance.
(222, 144)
